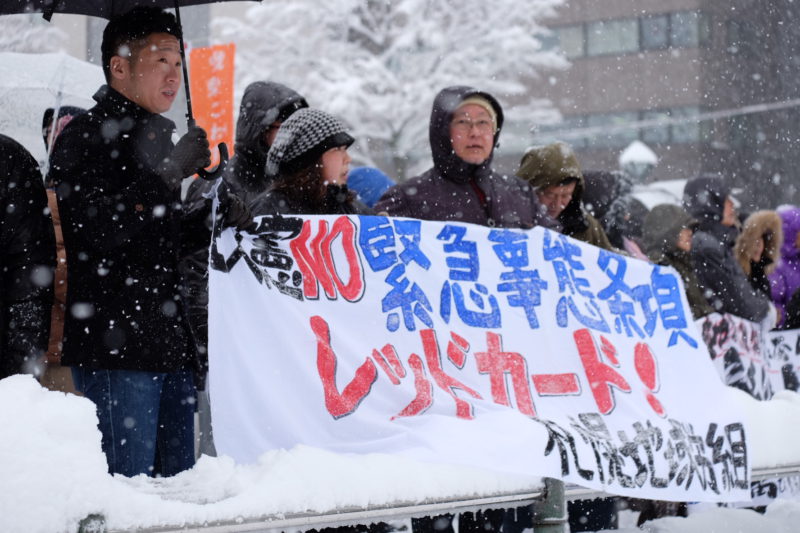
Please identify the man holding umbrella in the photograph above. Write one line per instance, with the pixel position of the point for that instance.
(117, 177)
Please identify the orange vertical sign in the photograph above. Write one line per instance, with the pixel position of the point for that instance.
(211, 83)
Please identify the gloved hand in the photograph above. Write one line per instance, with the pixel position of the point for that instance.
(189, 155)
(234, 212)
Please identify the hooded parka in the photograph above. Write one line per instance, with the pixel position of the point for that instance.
(547, 166)
(27, 260)
(764, 225)
(124, 231)
(460, 191)
(263, 103)
(722, 280)
(662, 226)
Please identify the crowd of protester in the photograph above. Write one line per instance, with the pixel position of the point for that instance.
(104, 264)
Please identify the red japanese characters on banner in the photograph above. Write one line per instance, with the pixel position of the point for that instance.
(211, 84)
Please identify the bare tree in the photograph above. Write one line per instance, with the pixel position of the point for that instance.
(379, 64)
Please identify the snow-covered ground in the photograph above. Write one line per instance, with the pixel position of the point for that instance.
(53, 474)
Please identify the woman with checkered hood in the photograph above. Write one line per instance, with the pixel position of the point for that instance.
(309, 162)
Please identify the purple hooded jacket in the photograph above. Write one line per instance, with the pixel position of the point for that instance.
(785, 280)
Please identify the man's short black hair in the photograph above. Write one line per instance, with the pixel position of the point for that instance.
(135, 25)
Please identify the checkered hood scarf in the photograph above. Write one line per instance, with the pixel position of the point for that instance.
(303, 138)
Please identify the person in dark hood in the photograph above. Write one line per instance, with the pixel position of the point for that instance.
(607, 197)
(555, 175)
(724, 284)
(264, 107)
(667, 236)
(27, 259)
(464, 130)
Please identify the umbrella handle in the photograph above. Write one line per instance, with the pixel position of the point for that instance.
(211, 175)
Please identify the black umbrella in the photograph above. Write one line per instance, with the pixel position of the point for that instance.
(111, 8)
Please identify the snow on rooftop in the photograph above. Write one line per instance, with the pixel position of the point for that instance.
(638, 152)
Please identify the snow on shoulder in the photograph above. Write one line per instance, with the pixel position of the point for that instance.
(54, 475)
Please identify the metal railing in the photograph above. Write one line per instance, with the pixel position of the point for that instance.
(548, 505)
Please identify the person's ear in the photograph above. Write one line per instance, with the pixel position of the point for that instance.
(119, 67)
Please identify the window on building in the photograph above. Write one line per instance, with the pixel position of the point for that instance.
(655, 32)
(549, 40)
(614, 139)
(570, 40)
(655, 134)
(550, 133)
(688, 29)
(612, 37)
(688, 131)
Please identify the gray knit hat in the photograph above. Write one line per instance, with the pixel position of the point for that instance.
(303, 138)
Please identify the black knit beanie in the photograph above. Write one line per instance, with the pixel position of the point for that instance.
(303, 138)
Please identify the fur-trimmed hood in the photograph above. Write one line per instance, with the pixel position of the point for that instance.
(766, 224)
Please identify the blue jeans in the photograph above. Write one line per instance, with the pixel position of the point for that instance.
(146, 418)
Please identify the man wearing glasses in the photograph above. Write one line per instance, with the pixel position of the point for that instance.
(464, 130)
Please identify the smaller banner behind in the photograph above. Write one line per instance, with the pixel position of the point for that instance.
(760, 363)
(211, 84)
(523, 352)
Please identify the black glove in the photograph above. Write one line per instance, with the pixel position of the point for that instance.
(189, 155)
(234, 211)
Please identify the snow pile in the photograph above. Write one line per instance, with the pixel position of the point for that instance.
(773, 436)
(54, 474)
(781, 517)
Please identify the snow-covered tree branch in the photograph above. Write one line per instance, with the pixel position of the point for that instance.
(378, 64)
(30, 34)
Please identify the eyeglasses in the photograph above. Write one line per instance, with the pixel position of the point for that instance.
(465, 125)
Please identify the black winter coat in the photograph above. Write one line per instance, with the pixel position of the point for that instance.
(456, 190)
(124, 231)
(27, 260)
(721, 279)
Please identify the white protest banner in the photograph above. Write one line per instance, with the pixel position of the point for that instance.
(518, 351)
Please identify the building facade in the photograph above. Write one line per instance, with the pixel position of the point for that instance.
(709, 86)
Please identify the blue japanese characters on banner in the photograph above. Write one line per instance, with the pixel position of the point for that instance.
(392, 246)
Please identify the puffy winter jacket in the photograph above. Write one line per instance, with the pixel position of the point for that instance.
(720, 277)
(124, 232)
(27, 260)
